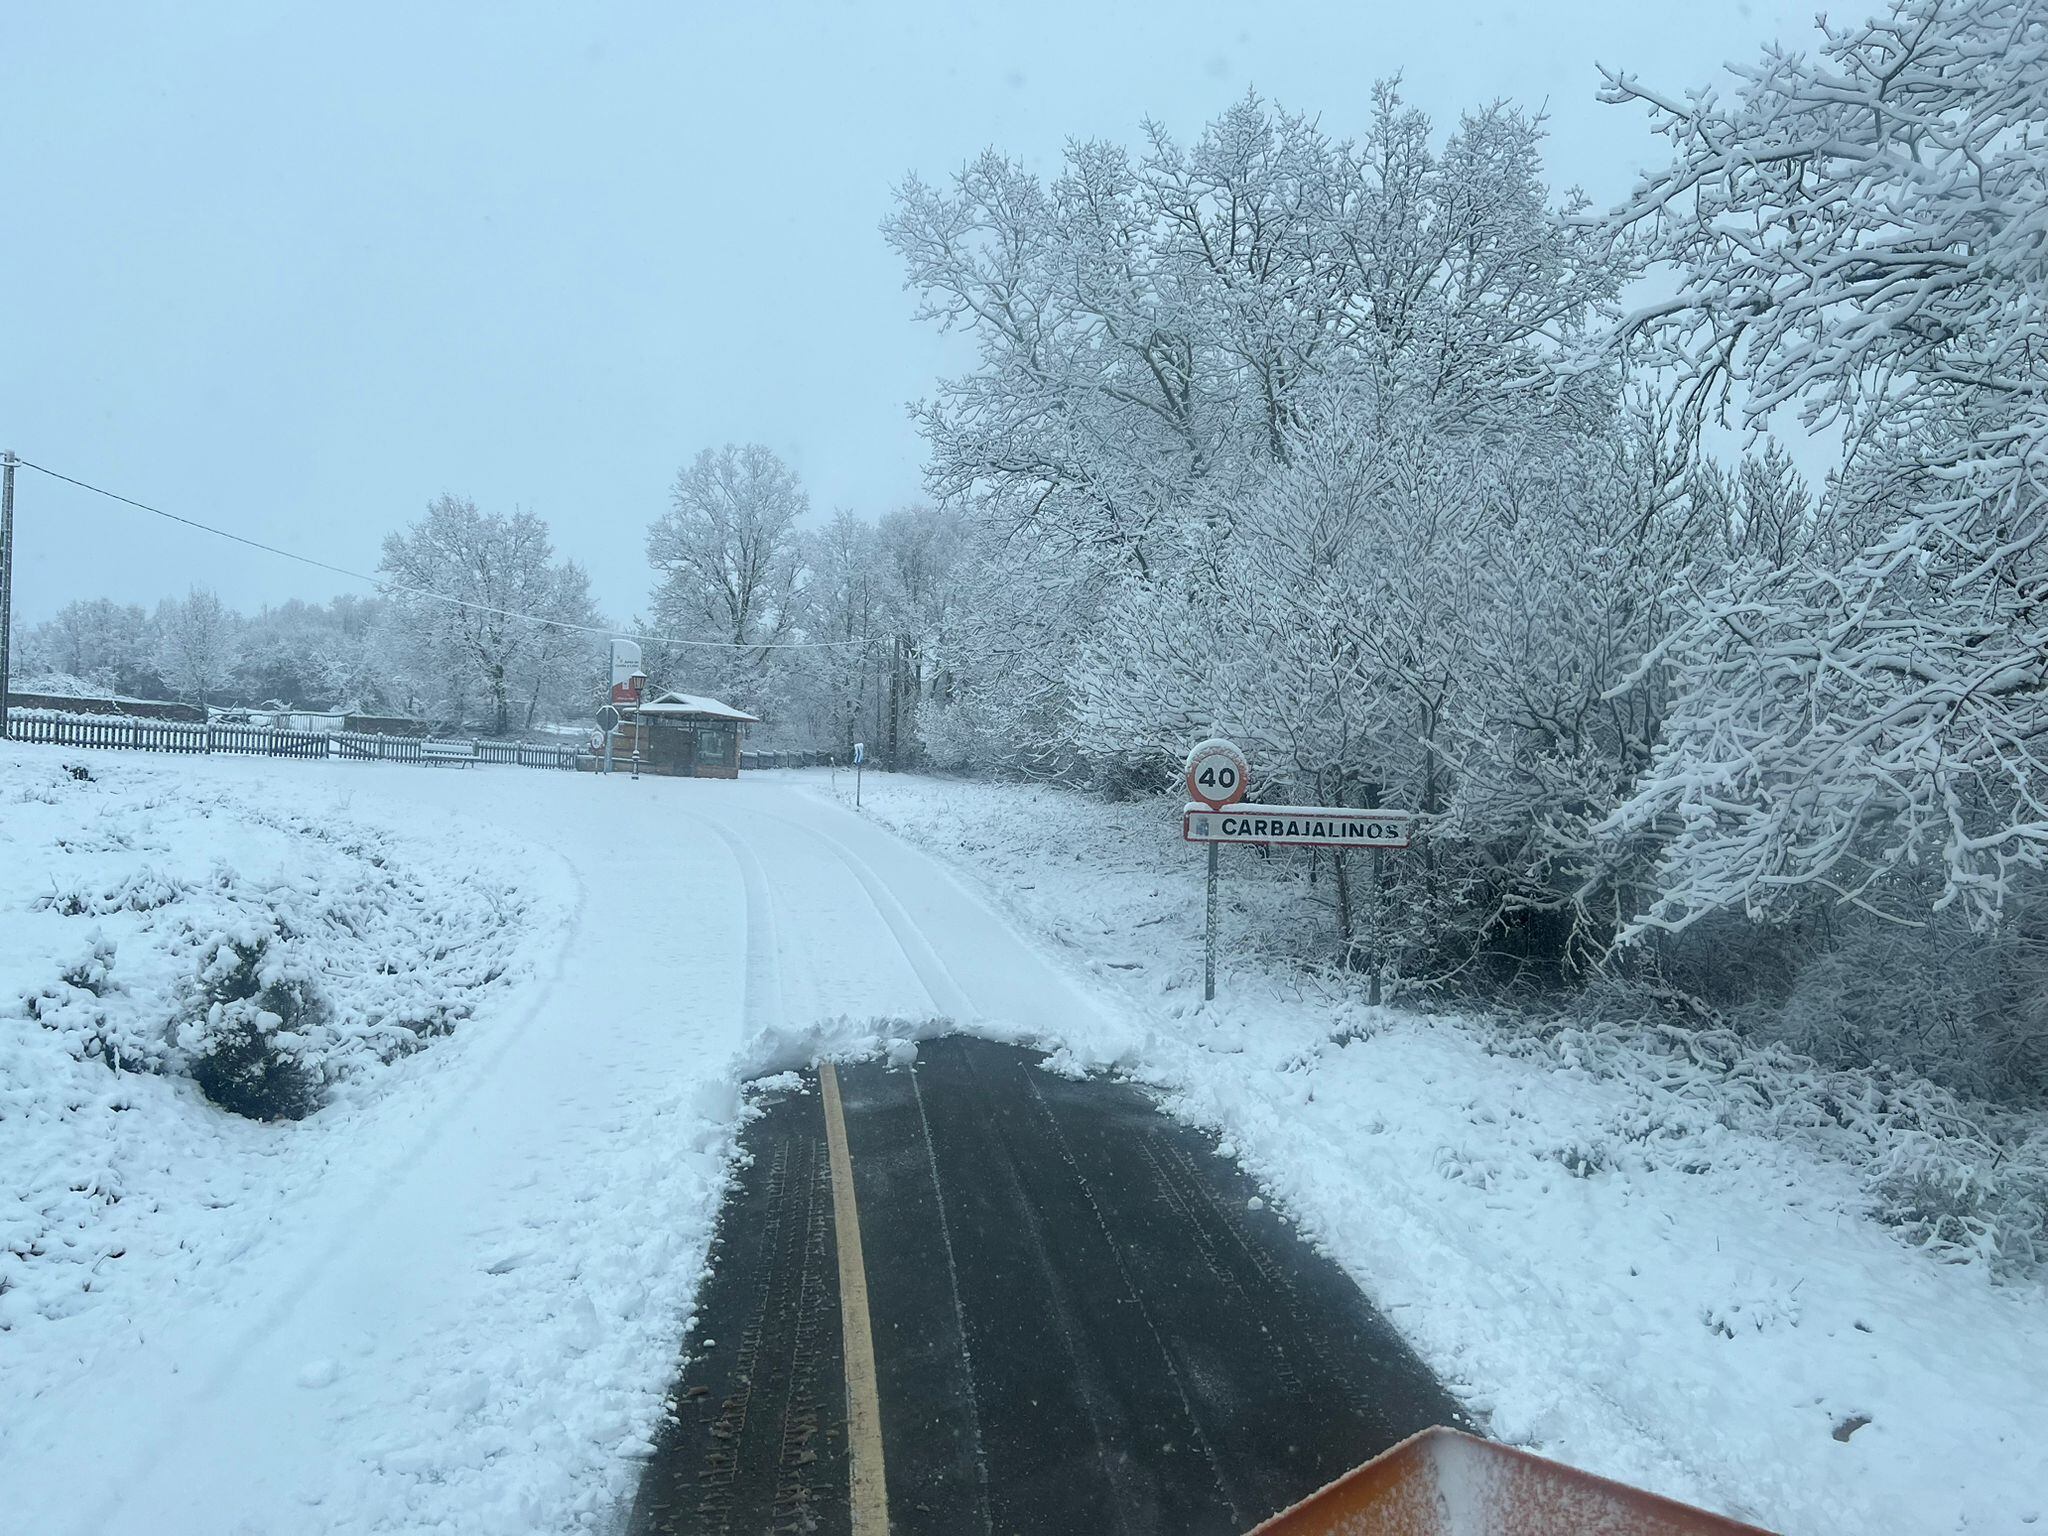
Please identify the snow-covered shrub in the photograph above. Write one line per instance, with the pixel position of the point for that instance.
(140, 890)
(1965, 1196)
(1965, 1007)
(72, 1008)
(251, 1039)
(1967, 1183)
(301, 946)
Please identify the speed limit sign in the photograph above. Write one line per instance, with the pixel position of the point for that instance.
(1217, 774)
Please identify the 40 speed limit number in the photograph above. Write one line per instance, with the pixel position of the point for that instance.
(1217, 774)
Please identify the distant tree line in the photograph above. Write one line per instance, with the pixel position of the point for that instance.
(835, 633)
(832, 632)
(505, 643)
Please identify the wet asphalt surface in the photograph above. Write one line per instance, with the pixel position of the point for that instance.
(1082, 1323)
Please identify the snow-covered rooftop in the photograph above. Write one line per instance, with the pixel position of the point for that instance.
(671, 703)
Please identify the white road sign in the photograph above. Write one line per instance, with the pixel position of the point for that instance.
(1217, 773)
(1296, 826)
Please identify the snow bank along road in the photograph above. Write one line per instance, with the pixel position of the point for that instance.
(1071, 1316)
(458, 1304)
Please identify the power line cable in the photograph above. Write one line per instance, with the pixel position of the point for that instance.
(450, 599)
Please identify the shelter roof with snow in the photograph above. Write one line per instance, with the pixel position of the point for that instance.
(692, 706)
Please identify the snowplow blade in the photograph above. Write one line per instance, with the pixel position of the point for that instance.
(1443, 1483)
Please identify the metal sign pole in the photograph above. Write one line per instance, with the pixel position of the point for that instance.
(1217, 775)
(1379, 922)
(1209, 958)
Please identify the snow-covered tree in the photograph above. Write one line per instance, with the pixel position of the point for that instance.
(351, 670)
(1157, 327)
(834, 687)
(477, 600)
(729, 567)
(198, 645)
(289, 653)
(1855, 234)
(561, 674)
(106, 644)
(1407, 612)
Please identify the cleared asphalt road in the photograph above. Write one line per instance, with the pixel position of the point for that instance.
(1081, 1320)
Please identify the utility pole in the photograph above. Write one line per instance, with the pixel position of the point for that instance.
(896, 687)
(7, 463)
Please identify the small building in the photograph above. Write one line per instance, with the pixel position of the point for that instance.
(683, 734)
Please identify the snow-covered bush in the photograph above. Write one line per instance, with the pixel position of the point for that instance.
(1964, 1181)
(1976, 1197)
(252, 1041)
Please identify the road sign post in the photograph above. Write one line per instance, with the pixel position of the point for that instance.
(1218, 778)
(1379, 922)
(860, 756)
(1209, 943)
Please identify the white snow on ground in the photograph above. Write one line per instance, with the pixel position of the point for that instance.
(450, 1300)
(1597, 1249)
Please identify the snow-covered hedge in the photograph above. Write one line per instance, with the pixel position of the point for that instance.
(1962, 1181)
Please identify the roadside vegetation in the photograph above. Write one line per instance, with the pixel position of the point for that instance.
(1683, 579)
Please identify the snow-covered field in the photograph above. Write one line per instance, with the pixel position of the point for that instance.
(449, 1299)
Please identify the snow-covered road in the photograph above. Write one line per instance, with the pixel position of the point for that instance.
(460, 1315)
(450, 1301)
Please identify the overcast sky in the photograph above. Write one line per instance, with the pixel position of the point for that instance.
(297, 270)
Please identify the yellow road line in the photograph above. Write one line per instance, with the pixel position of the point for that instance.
(863, 1407)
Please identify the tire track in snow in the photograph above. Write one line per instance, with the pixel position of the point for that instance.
(941, 988)
(763, 969)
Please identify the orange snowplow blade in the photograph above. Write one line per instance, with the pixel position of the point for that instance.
(1443, 1483)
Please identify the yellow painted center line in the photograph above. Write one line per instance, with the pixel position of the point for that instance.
(863, 1406)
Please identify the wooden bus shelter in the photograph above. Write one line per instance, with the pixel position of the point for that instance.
(684, 735)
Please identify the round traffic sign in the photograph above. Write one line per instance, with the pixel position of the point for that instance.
(1218, 775)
